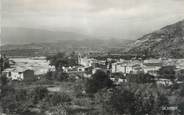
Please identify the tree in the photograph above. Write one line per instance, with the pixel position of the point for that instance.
(23, 101)
(182, 92)
(58, 98)
(181, 108)
(57, 60)
(141, 78)
(3, 80)
(98, 81)
(134, 99)
(60, 76)
(123, 101)
(60, 110)
(163, 100)
(17, 101)
(8, 99)
(167, 72)
(39, 93)
(63, 60)
(4, 63)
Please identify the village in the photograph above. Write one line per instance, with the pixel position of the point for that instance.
(29, 68)
(164, 72)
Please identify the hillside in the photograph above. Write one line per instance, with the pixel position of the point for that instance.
(166, 42)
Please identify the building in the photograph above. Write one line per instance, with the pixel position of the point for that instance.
(164, 82)
(137, 69)
(126, 67)
(29, 75)
(80, 68)
(52, 68)
(86, 62)
(152, 66)
(123, 67)
(13, 75)
(152, 69)
(118, 78)
(180, 64)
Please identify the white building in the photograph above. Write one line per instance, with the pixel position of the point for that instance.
(122, 67)
(52, 68)
(152, 70)
(152, 66)
(13, 74)
(164, 82)
(126, 67)
(86, 62)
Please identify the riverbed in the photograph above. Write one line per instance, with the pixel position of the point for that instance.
(39, 64)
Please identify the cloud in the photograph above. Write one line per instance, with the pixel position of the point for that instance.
(44, 5)
(116, 18)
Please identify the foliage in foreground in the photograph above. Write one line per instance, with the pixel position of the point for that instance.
(98, 81)
(131, 99)
(21, 101)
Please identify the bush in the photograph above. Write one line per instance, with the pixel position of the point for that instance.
(57, 75)
(7, 90)
(133, 99)
(123, 101)
(17, 101)
(79, 88)
(99, 81)
(3, 80)
(167, 72)
(181, 108)
(163, 101)
(62, 59)
(8, 100)
(49, 75)
(58, 98)
(39, 93)
(60, 110)
(182, 92)
(141, 78)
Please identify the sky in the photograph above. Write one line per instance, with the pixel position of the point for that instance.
(122, 19)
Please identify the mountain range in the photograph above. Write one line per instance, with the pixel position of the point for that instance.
(20, 38)
(166, 42)
(20, 35)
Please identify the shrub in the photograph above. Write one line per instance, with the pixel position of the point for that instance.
(181, 108)
(123, 101)
(3, 80)
(39, 93)
(133, 100)
(58, 98)
(141, 78)
(99, 80)
(182, 92)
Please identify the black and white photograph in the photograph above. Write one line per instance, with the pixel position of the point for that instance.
(91, 57)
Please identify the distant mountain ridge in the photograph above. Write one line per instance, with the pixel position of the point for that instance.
(32, 35)
(166, 42)
(17, 37)
(43, 41)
